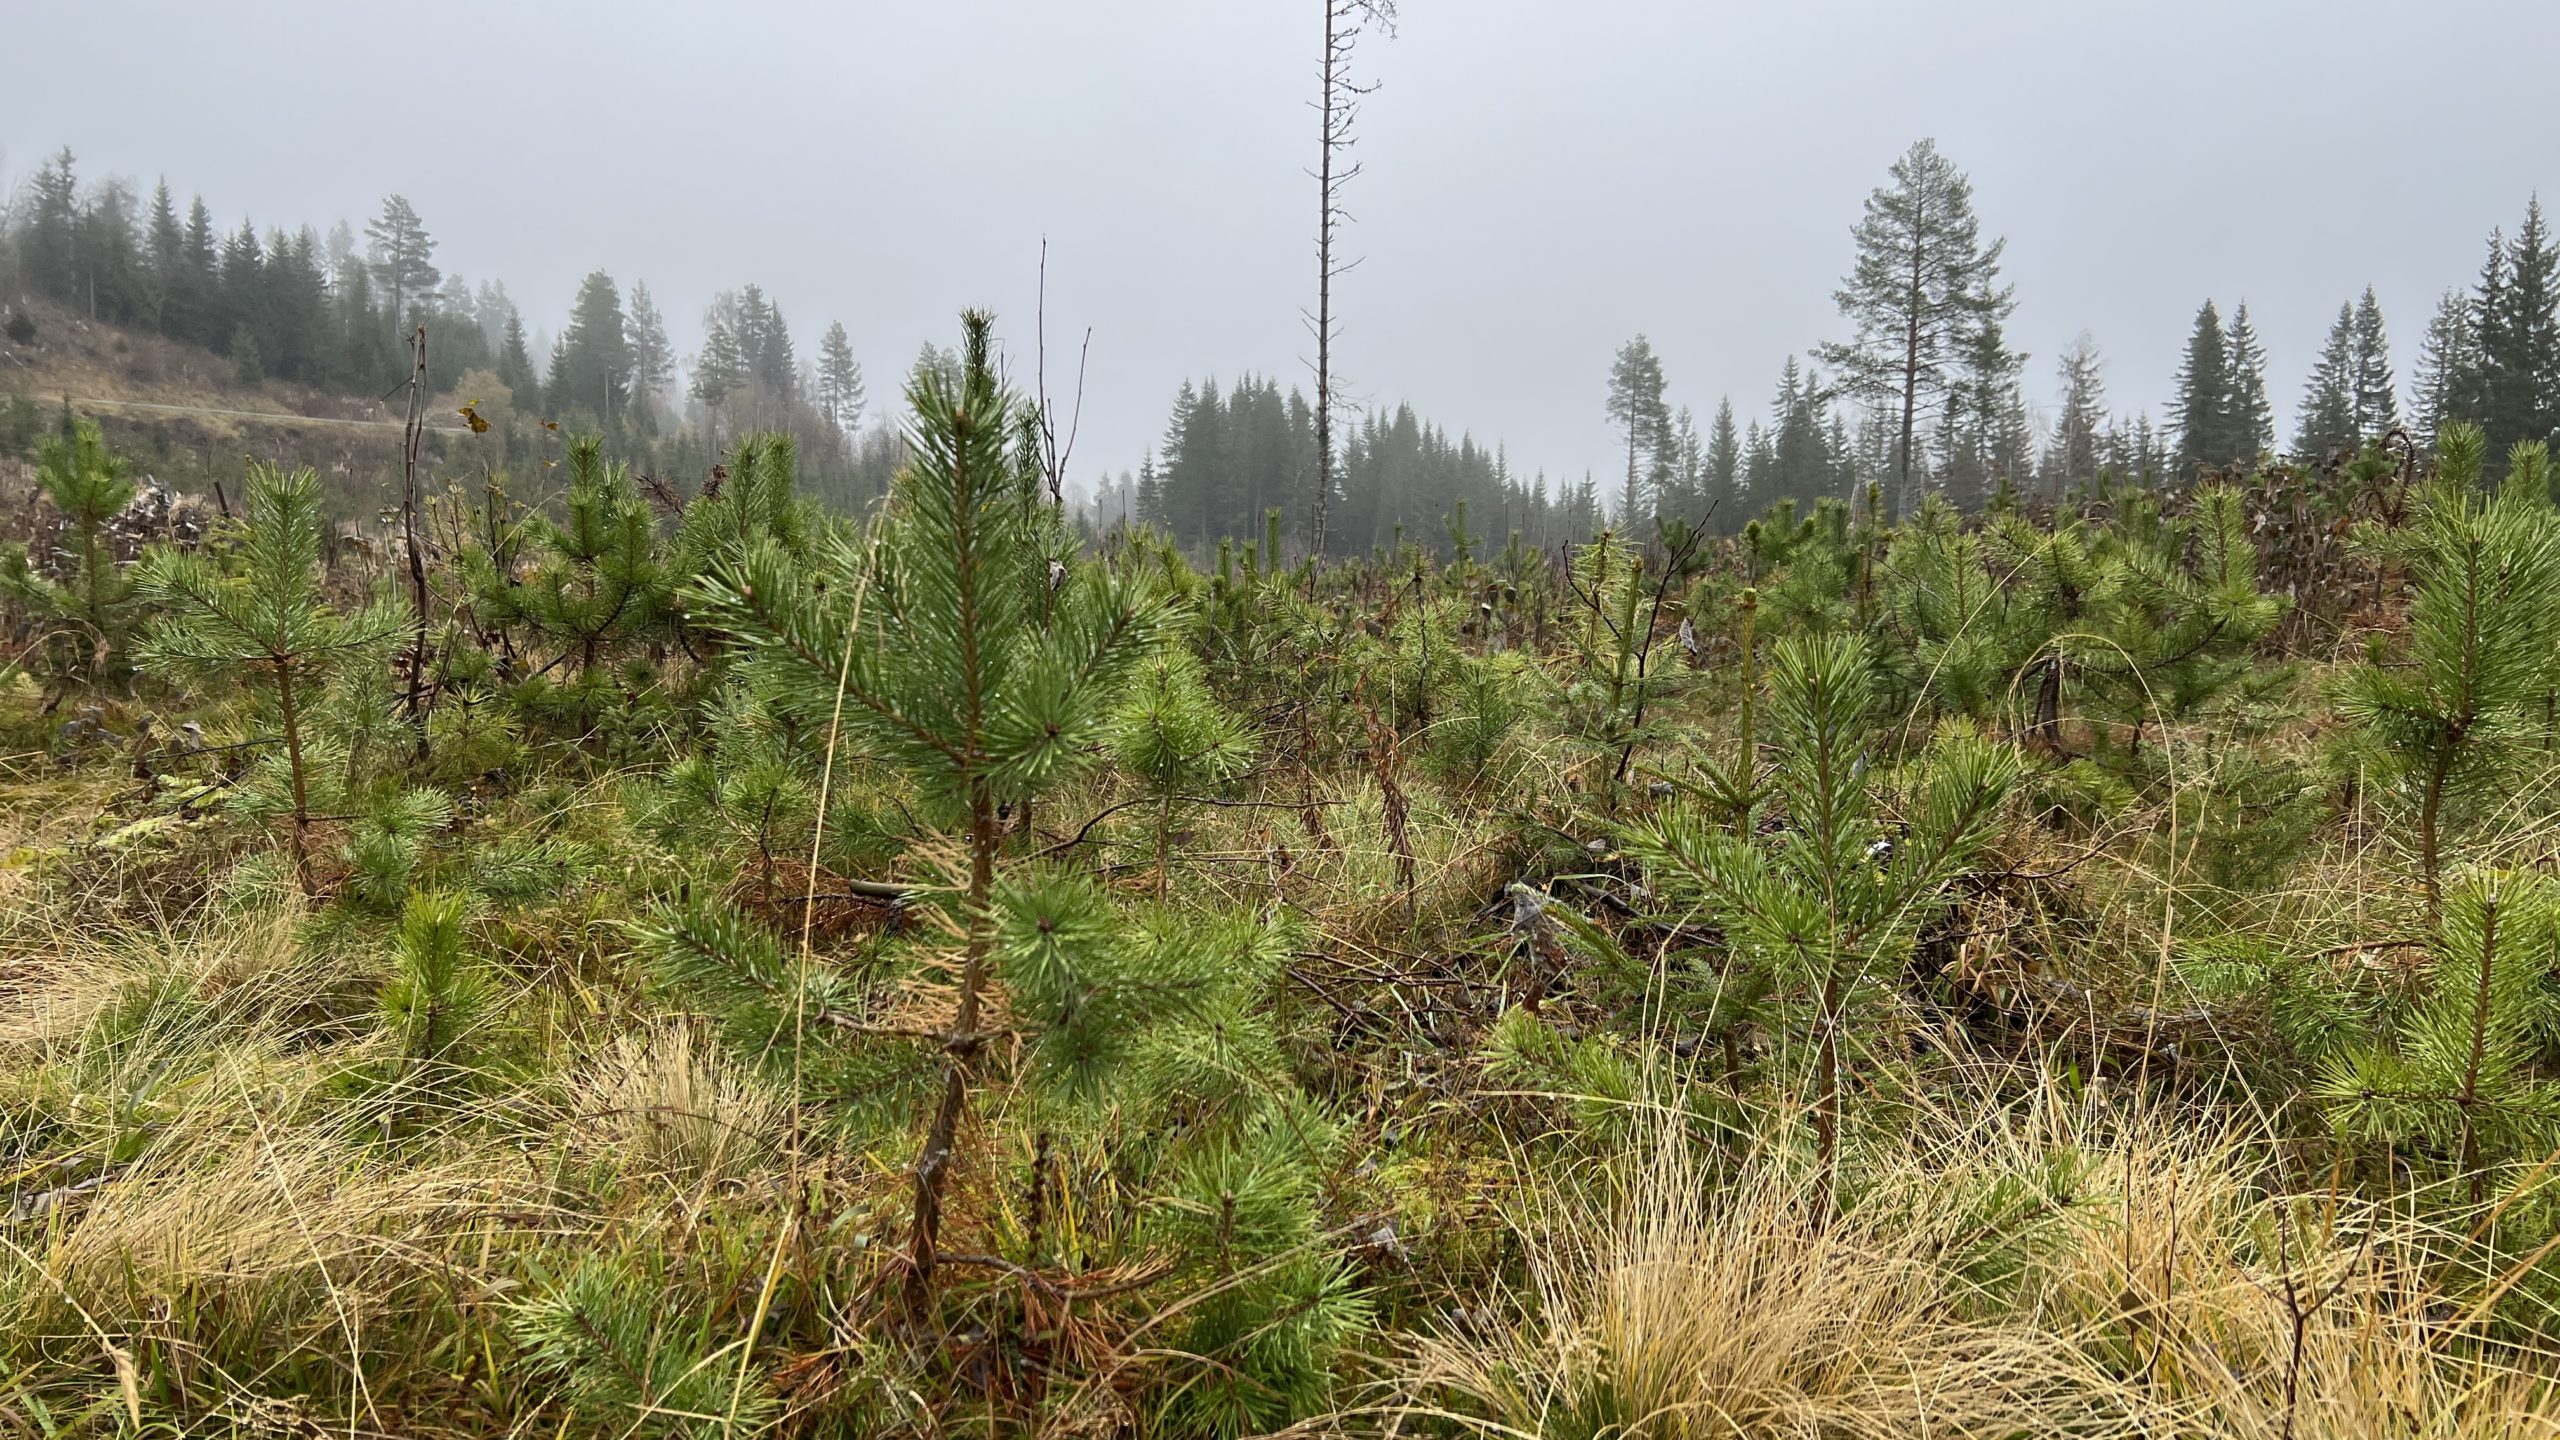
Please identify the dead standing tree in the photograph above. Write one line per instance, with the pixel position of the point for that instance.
(1337, 107)
(411, 435)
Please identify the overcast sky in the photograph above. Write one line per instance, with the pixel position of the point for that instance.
(1542, 180)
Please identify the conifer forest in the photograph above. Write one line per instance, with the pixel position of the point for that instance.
(569, 870)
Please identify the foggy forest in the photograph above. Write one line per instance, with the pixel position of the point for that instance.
(618, 821)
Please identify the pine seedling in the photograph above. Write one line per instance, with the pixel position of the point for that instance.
(1174, 736)
(387, 840)
(90, 612)
(2485, 575)
(1257, 1346)
(2462, 1061)
(268, 620)
(588, 587)
(745, 788)
(2061, 591)
(436, 995)
(1817, 558)
(974, 669)
(1609, 699)
(753, 498)
(1961, 646)
(636, 1358)
(1832, 901)
(2187, 612)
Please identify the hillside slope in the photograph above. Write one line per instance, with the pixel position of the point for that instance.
(189, 419)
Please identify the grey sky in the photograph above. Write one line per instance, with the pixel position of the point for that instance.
(1543, 180)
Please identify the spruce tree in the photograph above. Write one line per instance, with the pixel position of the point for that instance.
(718, 370)
(49, 244)
(594, 358)
(2328, 422)
(240, 313)
(1725, 500)
(1684, 485)
(1981, 444)
(515, 365)
(2520, 342)
(174, 295)
(111, 277)
(2203, 409)
(199, 266)
(2374, 390)
(2476, 396)
(2447, 358)
(2073, 458)
(975, 675)
(839, 380)
(2252, 418)
(266, 619)
(653, 358)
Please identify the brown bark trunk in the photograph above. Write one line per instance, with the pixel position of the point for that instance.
(960, 1051)
(301, 789)
(2470, 1097)
(1826, 1100)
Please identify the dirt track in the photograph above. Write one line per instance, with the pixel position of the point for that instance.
(269, 417)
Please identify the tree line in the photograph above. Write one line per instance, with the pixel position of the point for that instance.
(1248, 451)
(1926, 398)
(333, 312)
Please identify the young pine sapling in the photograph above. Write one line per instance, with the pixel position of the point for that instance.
(268, 619)
(1832, 898)
(2485, 573)
(975, 669)
(90, 611)
(1174, 735)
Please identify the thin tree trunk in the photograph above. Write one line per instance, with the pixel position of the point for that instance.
(1826, 1100)
(2047, 726)
(2430, 819)
(960, 1048)
(301, 789)
(960, 1051)
(1324, 271)
(1902, 497)
(1748, 769)
(409, 442)
(2470, 1097)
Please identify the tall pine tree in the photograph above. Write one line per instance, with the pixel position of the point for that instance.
(401, 254)
(1636, 407)
(1924, 283)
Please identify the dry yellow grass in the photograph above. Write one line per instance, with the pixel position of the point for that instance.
(666, 1106)
(1678, 1307)
(2137, 1293)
